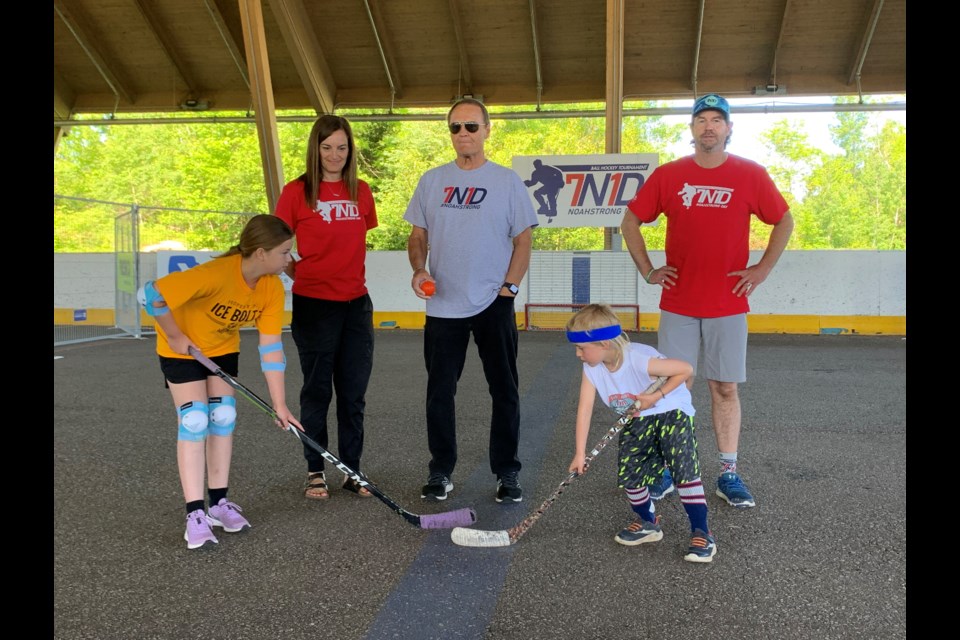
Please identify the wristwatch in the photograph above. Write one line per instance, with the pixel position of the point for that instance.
(514, 289)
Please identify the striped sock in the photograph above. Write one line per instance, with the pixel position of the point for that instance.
(641, 503)
(728, 462)
(694, 503)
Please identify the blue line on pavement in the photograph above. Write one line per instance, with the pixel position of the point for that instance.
(450, 592)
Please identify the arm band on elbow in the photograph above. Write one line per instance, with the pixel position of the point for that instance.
(147, 295)
(272, 366)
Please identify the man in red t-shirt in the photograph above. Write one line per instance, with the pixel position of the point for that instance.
(708, 199)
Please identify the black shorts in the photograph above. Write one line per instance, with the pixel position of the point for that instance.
(181, 370)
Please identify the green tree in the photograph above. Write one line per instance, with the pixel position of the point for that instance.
(855, 199)
(852, 199)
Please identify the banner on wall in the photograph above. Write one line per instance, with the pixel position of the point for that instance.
(583, 190)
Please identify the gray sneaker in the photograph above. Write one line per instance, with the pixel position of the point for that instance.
(640, 531)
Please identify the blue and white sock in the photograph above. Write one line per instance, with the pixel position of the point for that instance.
(694, 503)
(641, 503)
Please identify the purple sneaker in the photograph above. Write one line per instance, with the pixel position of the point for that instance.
(226, 514)
(198, 533)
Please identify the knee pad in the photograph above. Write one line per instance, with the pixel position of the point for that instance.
(193, 422)
(223, 415)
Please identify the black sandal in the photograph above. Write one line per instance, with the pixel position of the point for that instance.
(316, 487)
(355, 487)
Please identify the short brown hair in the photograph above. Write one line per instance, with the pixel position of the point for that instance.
(473, 101)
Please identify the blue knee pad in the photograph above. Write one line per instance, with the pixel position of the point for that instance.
(223, 415)
(193, 422)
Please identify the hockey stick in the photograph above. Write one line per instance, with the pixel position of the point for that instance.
(478, 538)
(446, 520)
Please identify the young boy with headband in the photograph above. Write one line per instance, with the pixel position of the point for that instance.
(661, 434)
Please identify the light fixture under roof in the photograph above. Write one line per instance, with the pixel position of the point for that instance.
(770, 90)
(191, 104)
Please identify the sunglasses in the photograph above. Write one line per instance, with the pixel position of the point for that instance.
(472, 127)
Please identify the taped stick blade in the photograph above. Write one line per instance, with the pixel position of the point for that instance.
(448, 519)
(477, 538)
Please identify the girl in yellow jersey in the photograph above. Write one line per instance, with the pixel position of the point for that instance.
(204, 307)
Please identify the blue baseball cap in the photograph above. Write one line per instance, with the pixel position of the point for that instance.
(712, 101)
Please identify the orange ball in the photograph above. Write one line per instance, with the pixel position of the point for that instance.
(428, 287)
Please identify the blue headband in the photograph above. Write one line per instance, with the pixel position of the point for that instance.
(595, 335)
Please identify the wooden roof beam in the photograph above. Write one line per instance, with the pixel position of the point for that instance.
(75, 24)
(462, 47)
(308, 58)
(613, 129)
(385, 47)
(535, 30)
(228, 39)
(63, 97)
(695, 73)
(614, 79)
(255, 41)
(772, 79)
(166, 43)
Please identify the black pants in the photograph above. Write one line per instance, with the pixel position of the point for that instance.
(335, 344)
(445, 342)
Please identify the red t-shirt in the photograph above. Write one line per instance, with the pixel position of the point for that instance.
(708, 228)
(331, 240)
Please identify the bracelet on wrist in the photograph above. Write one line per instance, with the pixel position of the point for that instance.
(661, 394)
(649, 273)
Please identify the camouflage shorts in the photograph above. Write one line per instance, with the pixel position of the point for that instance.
(650, 442)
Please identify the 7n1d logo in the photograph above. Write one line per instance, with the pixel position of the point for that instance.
(616, 190)
(704, 196)
(465, 195)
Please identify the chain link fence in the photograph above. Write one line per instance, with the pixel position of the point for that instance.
(94, 237)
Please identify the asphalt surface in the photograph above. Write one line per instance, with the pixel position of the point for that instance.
(823, 444)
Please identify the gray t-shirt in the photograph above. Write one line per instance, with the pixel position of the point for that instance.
(471, 218)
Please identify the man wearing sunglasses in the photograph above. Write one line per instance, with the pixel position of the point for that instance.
(472, 235)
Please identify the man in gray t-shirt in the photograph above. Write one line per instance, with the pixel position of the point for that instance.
(475, 220)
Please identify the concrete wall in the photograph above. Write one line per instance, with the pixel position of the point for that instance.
(808, 292)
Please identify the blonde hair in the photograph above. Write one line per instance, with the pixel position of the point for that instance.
(597, 316)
